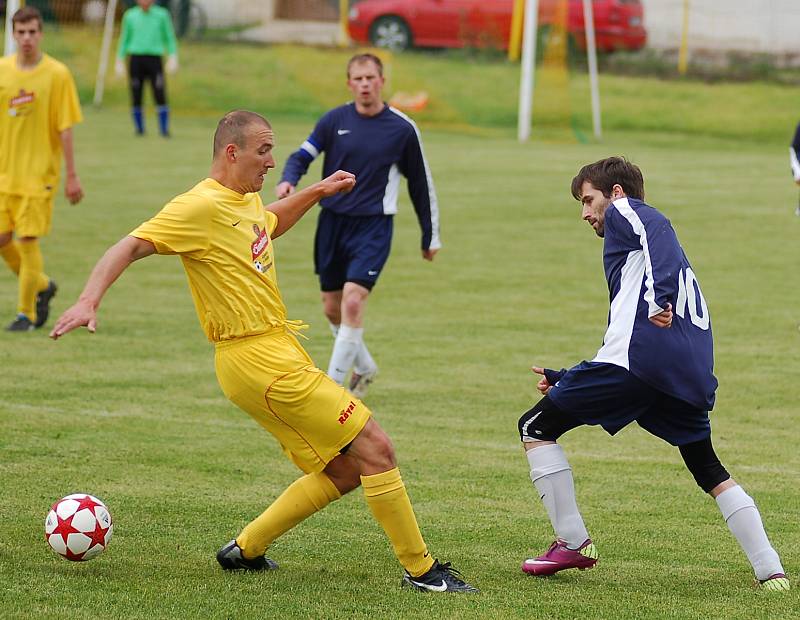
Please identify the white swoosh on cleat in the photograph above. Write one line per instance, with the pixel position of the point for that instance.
(428, 586)
(540, 562)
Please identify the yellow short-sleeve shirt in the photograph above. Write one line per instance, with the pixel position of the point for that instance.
(223, 239)
(36, 105)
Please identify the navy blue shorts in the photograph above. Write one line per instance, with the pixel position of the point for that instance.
(351, 248)
(608, 395)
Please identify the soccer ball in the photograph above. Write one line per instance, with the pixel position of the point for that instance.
(78, 527)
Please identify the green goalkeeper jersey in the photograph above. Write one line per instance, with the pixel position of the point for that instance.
(147, 33)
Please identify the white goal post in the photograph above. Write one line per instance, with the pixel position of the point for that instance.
(12, 6)
(528, 66)
(105, 49)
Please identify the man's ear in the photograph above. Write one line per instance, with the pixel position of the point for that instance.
(617, 191)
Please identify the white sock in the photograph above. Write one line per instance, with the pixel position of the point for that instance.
(744, 521)
(348, 342)
(552, 476)
(363, 363)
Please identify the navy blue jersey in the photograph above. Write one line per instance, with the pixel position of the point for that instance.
(378, 150)
(794, 154)
(646, 269)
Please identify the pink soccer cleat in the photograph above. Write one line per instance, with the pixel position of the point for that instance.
(559, 557)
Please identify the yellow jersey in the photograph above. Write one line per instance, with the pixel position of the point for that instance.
(223, 239)
(36, 105)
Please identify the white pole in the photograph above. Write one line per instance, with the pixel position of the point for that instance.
(108, 34)
(591, 56)
(12, 6)
(528, 68)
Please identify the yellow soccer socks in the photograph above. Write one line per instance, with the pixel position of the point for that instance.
(387, 499)
(31, 278)
(300, 500)
(10, 255)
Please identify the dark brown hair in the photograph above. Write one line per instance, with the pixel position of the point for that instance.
(362, 58)
(231, 128)
(26, 14)
(607, 173)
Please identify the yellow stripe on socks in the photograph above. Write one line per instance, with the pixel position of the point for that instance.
(387, 499)
(300, 500)
(31, 278)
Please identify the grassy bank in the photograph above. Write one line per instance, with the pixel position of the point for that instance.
(465, 92)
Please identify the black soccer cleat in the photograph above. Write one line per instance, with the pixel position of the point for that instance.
(440, 578)
(230, 558)
(43, 299)
(20, 324)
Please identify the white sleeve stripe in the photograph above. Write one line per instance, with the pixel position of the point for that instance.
(622, 314)
(392, 191)
(795, 164)
(310, 149)
(436, 242)
(624, 208)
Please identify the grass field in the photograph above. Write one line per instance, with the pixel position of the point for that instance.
(133, 414)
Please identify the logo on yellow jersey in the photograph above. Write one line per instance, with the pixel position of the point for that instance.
(258, 247)
(17, 105)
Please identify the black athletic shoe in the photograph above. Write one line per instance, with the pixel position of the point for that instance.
(43, 303)
(440, 578)
(20, 324)
(230, 558)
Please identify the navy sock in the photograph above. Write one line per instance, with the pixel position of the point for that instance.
(138, 120)
(163, 119)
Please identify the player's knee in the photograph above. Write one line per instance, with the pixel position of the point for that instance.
(544, 422)
(373, 449)
(5, 238)
(383, 452)
(703, 463)
(352, 306)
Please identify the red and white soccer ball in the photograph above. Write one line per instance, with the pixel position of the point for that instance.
(78, 527)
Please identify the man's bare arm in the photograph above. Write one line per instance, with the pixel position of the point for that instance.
(291, 208)
(116, 260)
(72, 185)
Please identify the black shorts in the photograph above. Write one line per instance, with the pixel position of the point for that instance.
(351, 248)
(144, 68)
(608, 395)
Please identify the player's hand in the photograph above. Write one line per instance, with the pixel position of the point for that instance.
(429, 254)
(172, 64)
(82, 314)
(544, 385)
(663, 319)
(339, 182)
(73, 190)
(284, 189)
(119, 68)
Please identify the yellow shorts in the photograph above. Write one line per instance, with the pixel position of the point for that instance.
(271, 377)
(25, 216)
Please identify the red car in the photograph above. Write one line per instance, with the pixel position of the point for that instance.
(400, 24)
